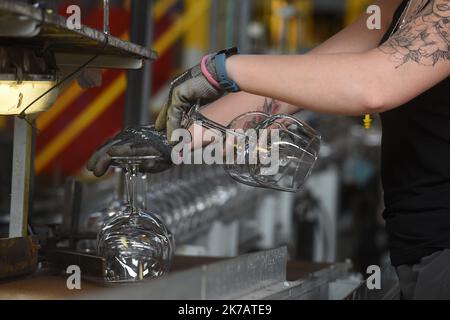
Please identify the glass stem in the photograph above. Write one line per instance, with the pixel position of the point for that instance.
(145, 191)
(120, 193)
(131, 175)
(194, 116)
(211, 125)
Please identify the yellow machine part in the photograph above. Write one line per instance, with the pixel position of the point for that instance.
(299, 28)
(197, 36)
(355, 8)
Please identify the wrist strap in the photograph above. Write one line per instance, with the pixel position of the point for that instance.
(225, 82)
(207, 74)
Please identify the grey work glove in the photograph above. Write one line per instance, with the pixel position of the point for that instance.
(133, 141)
(184, 93)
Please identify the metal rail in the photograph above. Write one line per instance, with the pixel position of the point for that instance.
(52, 30)
(260, 275)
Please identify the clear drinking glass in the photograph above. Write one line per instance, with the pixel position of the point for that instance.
(279, 154)
(298, 147)
(135, 243)
(240, 170)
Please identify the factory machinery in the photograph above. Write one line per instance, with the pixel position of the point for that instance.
(215, 221)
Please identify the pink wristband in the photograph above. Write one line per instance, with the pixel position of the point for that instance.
(208, 75)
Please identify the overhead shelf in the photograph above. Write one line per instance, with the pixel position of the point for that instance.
(23, 23)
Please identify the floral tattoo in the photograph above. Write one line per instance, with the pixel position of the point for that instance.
(425, 37)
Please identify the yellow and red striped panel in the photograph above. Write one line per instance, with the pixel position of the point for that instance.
(82, 120)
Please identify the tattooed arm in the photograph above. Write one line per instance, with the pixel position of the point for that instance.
(414, 60)
(356, 83)
(425, 39)
(354, 38)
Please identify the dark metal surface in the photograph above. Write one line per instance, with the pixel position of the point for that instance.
(18, 256)
(92, 267)
(190, 277)
(54, 33)
(139, 81)
(224, 279)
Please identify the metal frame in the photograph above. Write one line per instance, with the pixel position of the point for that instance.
(245, 17)
(50, 31)
(139, 81)
(21, 178)
(106, 17)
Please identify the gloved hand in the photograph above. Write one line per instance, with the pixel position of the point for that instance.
(133, 141)
(199, 82)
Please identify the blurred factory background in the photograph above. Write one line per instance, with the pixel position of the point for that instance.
(337, 215)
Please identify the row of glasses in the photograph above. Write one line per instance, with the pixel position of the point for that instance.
(190, 197)
(179, 202)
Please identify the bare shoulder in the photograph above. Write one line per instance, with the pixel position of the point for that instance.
(425, 37)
